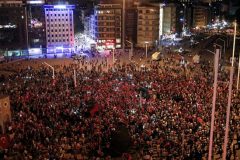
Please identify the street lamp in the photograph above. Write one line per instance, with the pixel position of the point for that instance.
(146, 43)
(238, 71)
(130, 53)
(123, 19)
(113, 55)
(220, 47)
(238, 68)
(224, 47)
(216, 62)
(229, 96)
(53, 76)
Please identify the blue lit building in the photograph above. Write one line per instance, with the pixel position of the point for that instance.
(59, 28)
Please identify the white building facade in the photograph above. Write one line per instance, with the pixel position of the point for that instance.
(59, 28)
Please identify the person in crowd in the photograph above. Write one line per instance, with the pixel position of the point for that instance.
(167, 112)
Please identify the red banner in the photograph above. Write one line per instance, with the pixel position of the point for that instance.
(4, 142)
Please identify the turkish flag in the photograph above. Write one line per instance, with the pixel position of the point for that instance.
(4, 141)
(94, 110)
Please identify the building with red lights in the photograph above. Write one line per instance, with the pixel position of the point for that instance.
(106, 26)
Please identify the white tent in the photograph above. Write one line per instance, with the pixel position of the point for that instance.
(156, 56)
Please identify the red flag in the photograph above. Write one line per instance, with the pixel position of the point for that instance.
(200, 120)
(94, 110)
(4, 142)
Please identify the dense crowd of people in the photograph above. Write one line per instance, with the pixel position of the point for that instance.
(162, 104)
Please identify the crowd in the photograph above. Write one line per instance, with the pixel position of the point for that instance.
(161, 103)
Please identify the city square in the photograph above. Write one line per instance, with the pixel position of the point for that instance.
(144, 93)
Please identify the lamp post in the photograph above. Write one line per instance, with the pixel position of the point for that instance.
(221, 49)
(53, 76)
(216, 62)
(229, 96)
(75, 78)
(146, 43)
(113, 56)
(224, 46)
(123, 15)
(238, 72)
(238, 76)
(130, 53)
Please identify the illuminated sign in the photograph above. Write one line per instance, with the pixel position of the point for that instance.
(35, 2)
(8, 26)
(60, 6)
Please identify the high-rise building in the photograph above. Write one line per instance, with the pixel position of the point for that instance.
(200, 16)
(148, 26)
(130, 23)
(36, 24)
(168, 19)
(59, 28)
(13, 25)
(106, 26)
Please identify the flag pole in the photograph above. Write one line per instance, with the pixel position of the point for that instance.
(216, 62)
(229, 96)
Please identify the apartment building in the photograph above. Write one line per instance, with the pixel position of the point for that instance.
(59, 28)
(148, 26)
(106, 26)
